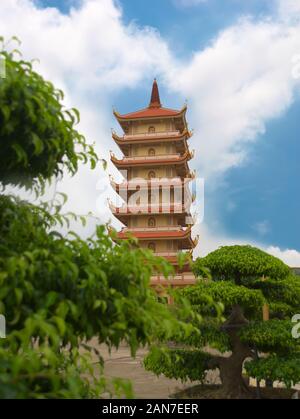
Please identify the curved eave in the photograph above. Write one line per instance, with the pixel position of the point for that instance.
(142, 115)
(122, 141)
(157, 235)
(138, 185)
(151, 162)
(120, 212)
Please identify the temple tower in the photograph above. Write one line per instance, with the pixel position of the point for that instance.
(156, 182)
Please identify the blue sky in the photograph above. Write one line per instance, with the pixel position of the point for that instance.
(255, 198)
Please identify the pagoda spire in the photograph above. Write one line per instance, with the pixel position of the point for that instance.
(155, 99)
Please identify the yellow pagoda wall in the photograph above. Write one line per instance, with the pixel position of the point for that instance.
(162, 246)
(160, 172)
(163, 220)
(143, 150)
(143, 128)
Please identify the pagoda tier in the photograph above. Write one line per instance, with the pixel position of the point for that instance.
(176, 161)
(157, 160)
(156, 192)
(128, 188)
(137, 184)
(150, 209)
(163, 233)
(177, 138)
(151, 113)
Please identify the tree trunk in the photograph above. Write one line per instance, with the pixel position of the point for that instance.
(231, 368)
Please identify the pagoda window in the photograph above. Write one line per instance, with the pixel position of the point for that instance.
(151, 175)
(151, 222)
(152, 246)
(151, 130)
(151, 152)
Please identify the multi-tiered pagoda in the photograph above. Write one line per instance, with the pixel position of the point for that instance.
(156, 184)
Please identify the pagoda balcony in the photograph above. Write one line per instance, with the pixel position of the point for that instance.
(181, 235)
(153, 229)
(184, 279)
(176, 208)
(173, 254)
(141, 183)
(157, 160)
(177, 137)
(166, 254)
(149, 136)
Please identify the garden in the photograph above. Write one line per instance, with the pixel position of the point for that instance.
(59, 292)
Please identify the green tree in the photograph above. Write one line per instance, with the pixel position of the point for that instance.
(244, 279)
(59, 291)
(37, 133)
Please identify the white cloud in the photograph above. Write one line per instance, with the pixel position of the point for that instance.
(289, 9)
(289, 256)
(91, 55)
(234, 86)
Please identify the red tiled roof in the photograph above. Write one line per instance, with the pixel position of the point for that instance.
(154, 109)
(151, 113)
(155, 234)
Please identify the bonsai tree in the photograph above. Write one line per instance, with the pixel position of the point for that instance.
(243, 280)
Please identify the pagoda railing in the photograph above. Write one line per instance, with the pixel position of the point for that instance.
(166, 254)
(155, 157)
(152, 135)
(153, 229)
(148, 208)
(171, 254)
(178, 277)
(174, 181)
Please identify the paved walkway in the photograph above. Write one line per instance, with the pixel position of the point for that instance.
(146, 385)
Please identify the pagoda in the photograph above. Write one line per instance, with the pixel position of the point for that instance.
(155, 190)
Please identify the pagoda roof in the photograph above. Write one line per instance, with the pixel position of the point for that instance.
(161, 209)
(152, 138)
(134, 184)
(182, 235)
(152, 161)
(154, 110)
(151, 113)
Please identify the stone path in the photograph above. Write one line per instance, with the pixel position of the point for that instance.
(146, 385)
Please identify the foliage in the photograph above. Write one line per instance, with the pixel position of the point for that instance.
(59, 291)
(285, 369)
(243, 280)
(235, 262)
(224, 292)
(283, 295)
(178, 363)
(37, 134)
(273, 336)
